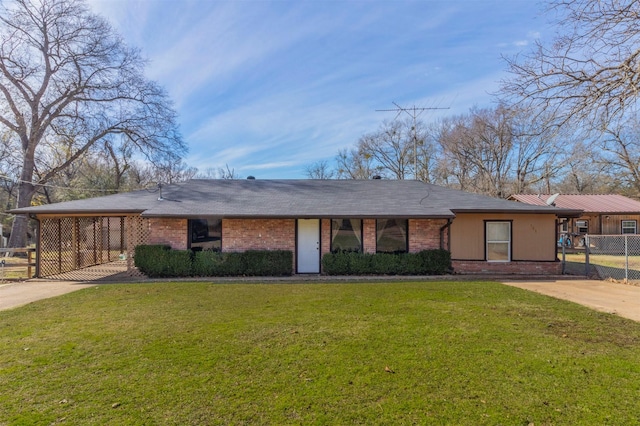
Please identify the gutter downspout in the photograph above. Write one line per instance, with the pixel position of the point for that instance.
(446, 226)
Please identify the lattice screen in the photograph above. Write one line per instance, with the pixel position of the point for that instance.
(72, 243)
(138, 232)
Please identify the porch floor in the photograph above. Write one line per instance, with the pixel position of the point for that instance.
(113, 271)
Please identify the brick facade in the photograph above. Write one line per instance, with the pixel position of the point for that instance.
(325, 237)
(169, 231)
(280, 234)
(258, 234)
(507, 268)
(369, 235)
(424, 234)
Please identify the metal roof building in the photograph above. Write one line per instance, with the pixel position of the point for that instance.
(589, 203)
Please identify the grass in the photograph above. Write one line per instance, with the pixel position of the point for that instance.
(15, 268)
(609, 260)
(198, 353)
(609, 265)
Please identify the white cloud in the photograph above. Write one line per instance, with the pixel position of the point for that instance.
(276, 85)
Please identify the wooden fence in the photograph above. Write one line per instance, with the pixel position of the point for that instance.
(17, 267)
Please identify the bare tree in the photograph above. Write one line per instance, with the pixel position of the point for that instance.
(9, 169)
(621, 150)
(497, 151)
(540, 150)
(391, 148)
(65, 75)
(584, 172)
(172, 172)
(591, 70)
(353, 164)
(319, 170)
(218, 173)
(479, 148)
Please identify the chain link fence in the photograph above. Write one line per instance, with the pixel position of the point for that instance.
(614, 257)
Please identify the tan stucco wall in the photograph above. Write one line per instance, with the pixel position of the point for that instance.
(533, 236)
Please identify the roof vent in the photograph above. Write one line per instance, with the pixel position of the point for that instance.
(377, 177)
(251, 178)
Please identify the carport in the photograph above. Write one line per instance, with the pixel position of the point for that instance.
(71, 244)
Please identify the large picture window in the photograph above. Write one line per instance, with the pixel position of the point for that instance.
(205, 234)
(498, 236)
(392, 235)
(346, 235)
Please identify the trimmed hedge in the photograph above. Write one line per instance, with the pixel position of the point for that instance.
(426, 262)
(160, 261)
(249, 263)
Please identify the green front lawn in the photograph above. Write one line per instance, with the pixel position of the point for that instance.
(381, 353)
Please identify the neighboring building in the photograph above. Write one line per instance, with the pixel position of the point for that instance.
(308, 217)
(605, 214)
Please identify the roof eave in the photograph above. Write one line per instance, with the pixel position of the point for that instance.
(564, 213)
(74, 212)
(296, 216)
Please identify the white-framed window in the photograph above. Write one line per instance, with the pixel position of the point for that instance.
(629, 227)
(498, 240)
(564, 226)
(582, 226)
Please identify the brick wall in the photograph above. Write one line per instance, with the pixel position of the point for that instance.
(369, 235)
(515, 267)
(168, 231)
(258, 234)
(424, 234)
(325, 237)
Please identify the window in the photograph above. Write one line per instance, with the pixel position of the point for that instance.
(205, 234)
(391, 235)
(498, 237)
(346, 234)
(583, 226)
(564, 226)
(629, 226)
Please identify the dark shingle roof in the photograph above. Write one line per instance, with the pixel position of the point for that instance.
(294, 199)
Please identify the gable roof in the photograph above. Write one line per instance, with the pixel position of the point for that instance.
(294, 199)
(591, 203)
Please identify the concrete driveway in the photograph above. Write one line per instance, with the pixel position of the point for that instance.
(17, 294)
(604, 296)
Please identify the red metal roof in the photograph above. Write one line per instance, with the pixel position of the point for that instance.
(592, 203)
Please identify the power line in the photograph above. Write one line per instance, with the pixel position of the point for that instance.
(56, 186)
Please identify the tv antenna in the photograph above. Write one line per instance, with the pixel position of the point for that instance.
(414, 112)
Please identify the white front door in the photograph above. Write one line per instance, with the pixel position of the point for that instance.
(308, 258)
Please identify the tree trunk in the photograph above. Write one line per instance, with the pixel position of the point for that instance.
(26, 190)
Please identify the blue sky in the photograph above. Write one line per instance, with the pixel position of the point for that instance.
(269, 87)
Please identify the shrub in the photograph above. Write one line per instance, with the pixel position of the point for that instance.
(178, 263)
(426, 262)
(151, 259)
(437, 261)
(161, 261)
(267, 263)
(205, 263)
